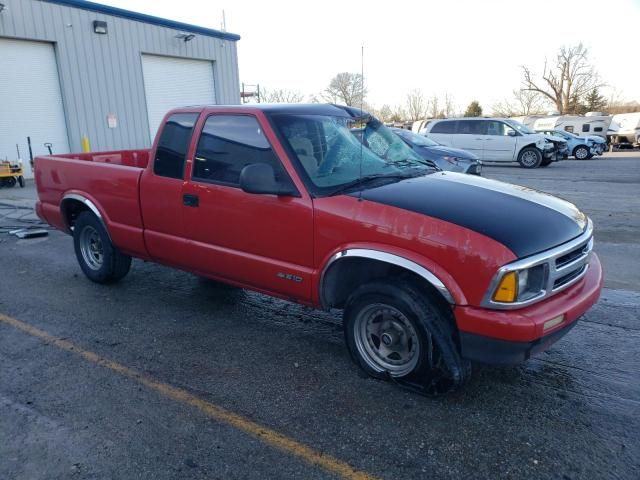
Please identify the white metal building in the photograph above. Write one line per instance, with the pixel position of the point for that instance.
(72, 68)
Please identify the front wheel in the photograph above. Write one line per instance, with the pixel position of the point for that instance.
(581, 153)
(21, 181)
(99, 259)
(530, 157)
(393, 330)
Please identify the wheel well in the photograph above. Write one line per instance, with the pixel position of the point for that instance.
(71, 209)
(527, 146)
(346, 275)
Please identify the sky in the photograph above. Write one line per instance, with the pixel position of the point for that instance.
(470, 49)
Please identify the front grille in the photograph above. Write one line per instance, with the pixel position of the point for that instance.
(559, 282)
(573, 255)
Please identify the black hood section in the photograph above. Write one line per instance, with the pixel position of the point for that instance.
(524, 220)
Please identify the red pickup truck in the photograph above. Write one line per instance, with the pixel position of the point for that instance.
(432, 269)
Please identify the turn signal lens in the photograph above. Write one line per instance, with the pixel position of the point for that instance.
(507, 290)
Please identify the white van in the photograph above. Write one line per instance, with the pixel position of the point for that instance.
(494, 140)
(583, 126)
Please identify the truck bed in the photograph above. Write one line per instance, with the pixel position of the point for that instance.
(110, 180)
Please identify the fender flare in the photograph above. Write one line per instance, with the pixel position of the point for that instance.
(392, 259)
(88, 203)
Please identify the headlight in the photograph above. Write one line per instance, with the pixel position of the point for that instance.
(521, 285)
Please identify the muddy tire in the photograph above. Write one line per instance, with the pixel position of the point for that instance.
(530, 157)
(99, 259)
(395, 331)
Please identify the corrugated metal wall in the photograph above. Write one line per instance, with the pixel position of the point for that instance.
(102, 74)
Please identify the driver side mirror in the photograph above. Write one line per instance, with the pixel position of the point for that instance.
(260, 178)
(511, 133)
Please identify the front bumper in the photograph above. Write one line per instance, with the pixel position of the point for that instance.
(512, 336)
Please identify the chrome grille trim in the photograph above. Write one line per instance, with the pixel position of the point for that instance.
(554, 272)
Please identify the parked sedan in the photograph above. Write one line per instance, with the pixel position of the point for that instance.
(582, 148)
(452, 159)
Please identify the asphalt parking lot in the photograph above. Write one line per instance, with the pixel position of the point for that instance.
(168, 376)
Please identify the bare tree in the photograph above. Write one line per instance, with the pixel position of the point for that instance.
(572, 77)
(280, 95)
(347, 88)
(523, 102)
(449, 106)
(434, 108)
(385, 113)
(416, 105)
(398, 114)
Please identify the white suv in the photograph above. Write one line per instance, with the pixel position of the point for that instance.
(493, 140)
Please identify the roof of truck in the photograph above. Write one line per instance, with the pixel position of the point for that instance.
(292, 108)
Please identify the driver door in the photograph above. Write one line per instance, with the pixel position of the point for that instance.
(262, 241)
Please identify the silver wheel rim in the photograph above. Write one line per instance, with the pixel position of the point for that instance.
(386, 340)
(581, 154)
(91, 248)
(529, 158)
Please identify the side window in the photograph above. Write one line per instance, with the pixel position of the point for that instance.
(497, 128)
(229, 143)
(173, 145)
(568, 128)
(586, 127)
(444, 127)
(472, 127)
(597, 129)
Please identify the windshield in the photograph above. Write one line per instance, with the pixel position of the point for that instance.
(520, 127)
(415, 139)
(332, 157)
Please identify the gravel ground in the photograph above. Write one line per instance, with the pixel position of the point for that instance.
(571, 413)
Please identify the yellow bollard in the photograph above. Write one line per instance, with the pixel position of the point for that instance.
(85, 144)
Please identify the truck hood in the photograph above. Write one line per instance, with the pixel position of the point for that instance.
(524, 220)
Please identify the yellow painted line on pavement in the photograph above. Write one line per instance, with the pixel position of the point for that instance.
(222, 415)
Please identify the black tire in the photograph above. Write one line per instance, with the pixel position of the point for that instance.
(10, 182)
(581, 152)
(99, 259)
(530, 157)
(21, 181)
(435, 367)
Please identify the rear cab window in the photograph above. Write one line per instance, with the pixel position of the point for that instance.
(174, 145)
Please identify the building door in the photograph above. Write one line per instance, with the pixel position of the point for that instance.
(30, 101)
(175, 82)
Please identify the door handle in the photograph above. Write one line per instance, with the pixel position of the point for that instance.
(189, 200)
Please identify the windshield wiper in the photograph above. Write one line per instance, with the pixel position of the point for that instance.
(370, 178)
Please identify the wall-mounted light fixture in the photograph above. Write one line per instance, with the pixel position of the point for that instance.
(186, 37)
(99, 27)
(2, 7)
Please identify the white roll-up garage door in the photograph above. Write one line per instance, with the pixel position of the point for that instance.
(175, 82)
(30, 101)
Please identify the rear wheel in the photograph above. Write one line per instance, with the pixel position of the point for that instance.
(393, 330)
(21, 181)
(581, 153)
(99, 259)
(530, 157)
